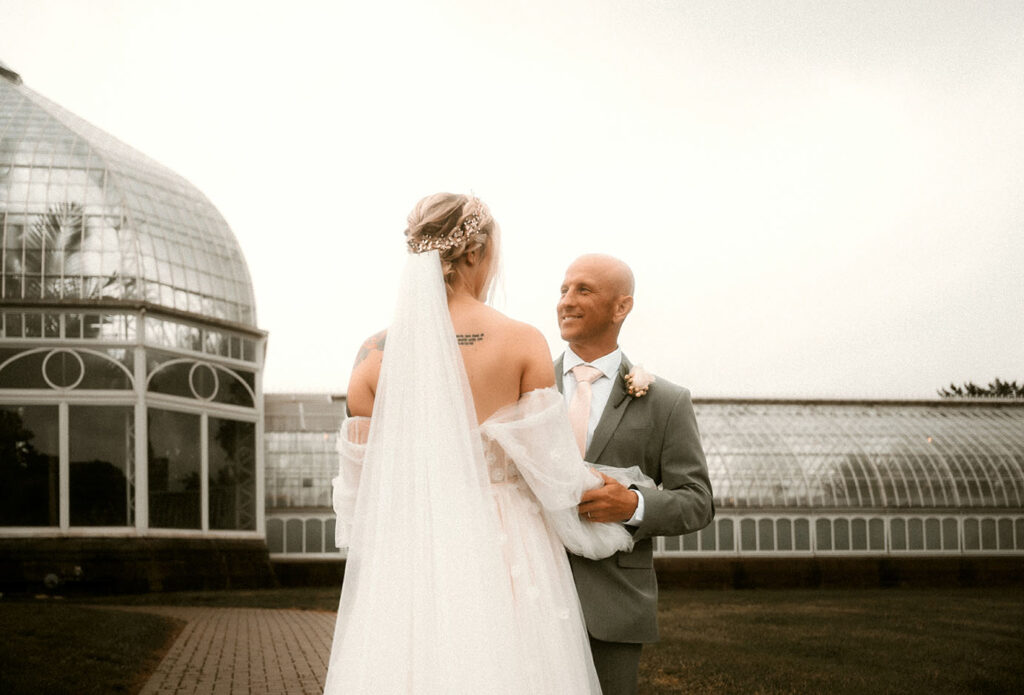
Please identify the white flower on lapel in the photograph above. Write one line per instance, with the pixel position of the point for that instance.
(638, 381)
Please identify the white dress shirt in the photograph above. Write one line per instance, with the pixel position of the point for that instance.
(601, 390)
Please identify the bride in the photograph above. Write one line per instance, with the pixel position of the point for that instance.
(457, 498)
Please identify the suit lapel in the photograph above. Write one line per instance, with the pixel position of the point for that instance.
(558, 372)
(612, 415)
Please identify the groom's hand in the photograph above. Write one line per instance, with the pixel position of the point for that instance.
(612, 502)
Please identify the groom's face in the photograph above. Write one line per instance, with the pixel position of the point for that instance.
(586, 309)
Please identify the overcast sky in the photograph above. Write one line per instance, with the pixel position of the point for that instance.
(819, 199)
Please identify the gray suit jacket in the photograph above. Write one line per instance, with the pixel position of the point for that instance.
(658, 432)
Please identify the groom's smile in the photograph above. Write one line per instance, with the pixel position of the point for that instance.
(595, 298)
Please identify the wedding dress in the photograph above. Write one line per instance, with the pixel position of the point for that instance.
(456, 579)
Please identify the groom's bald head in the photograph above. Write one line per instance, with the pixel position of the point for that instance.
(618, 274)
(596, 297)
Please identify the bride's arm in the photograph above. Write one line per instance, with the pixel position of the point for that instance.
(362, 388)
(362, 385)
(345, 487)
(536, 360)
(536, 435)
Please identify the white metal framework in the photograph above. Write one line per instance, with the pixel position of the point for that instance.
(130, 363)
(85, 217)
(791, 478)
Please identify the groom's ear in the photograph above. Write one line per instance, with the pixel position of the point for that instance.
(623, 305)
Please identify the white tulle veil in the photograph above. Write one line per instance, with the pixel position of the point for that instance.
(426, 597)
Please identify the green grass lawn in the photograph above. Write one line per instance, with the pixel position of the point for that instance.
(872, 641)
(713, 642)
(55, 648)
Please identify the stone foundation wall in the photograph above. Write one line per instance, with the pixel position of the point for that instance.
(129, 565)
(766, 573)
(839, 572)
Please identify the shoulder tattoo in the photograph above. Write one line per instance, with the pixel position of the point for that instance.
(374, 342)
(469, 338)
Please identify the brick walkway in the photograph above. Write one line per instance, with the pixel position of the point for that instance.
(250, 651)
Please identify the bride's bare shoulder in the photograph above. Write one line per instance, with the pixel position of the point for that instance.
(362, 384)
(531, 347)
(372, 346)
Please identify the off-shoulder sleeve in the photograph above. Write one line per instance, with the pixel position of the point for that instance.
(536, 435)
(351, 447)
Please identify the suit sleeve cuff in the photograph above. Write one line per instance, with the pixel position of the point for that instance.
(638, 515)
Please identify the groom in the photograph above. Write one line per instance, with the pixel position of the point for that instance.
(655, 430)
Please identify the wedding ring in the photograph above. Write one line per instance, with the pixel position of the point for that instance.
(588, 515)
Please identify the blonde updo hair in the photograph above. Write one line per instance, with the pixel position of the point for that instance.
(455, 225)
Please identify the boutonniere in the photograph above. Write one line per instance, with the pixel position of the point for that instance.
(638, 382)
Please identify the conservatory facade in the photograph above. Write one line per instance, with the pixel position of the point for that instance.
(130, 359)
(791, 479)
(861, 477)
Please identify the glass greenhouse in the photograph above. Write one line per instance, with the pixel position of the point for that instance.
(301, 444)
(130, 360)
(797, 478)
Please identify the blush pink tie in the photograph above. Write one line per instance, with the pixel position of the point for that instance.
(579, 406)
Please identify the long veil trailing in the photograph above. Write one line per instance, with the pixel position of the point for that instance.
(426, 600)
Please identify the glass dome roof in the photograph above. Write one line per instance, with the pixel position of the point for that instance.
(85, 218)
(843, 455)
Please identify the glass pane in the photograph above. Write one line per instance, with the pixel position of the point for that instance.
(171, 379)
(93, 326)
(314, 536)
(766, 534)
(24, 372)
(1006, 534)
(232, 461)
(802, 533)
(102, 373)
(174, 486)
(859, 532)
(748, 534)
(915, 534)
(72, 325)
(972, 536)
(671, 543)
(233, 390)
(823, 532)
(876, 531)
(725, 535)
(102, 450)
(841, 530)
(293, 536)
(690, 541)
(932, 534)
(783, 534)
(1019, 527)
(988, 534)
(329, 529)
(13, 324)
(33, 326)
(51, 325)
(950, 537)
(899, 534)
(707, 537)
(275, 536)
(29, 470)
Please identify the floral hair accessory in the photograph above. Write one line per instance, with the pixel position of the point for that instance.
(638, 381)
(464, 231)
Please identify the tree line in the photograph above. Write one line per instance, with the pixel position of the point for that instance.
(995, 389)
